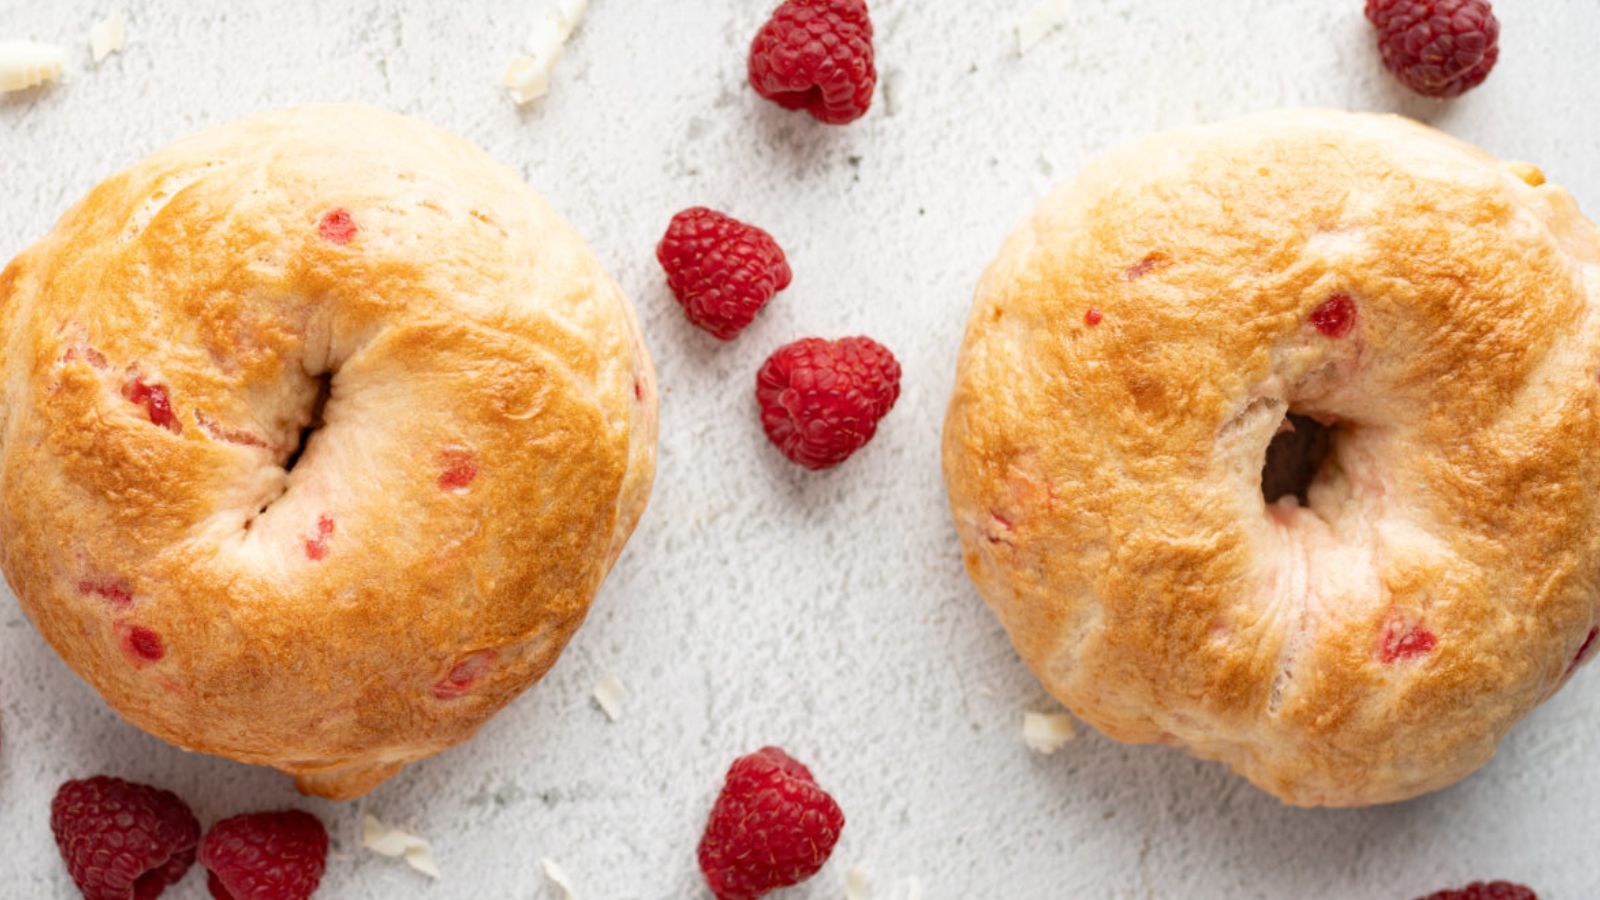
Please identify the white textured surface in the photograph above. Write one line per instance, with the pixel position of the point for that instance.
(827, 613)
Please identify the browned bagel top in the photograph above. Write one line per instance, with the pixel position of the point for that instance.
(320, 431)
(1138, 344)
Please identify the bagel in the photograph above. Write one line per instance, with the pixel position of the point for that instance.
(1403, 334)
(320, 431)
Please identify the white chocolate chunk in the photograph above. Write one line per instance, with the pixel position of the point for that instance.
(392, 842)
(527, 78)
(1047, 732)
(547, 37)
(855, 884)
(571, 12)
(1045, 16)
(421, 859)
(107, 36)
(27, 64)
(386, 841)
(610, 693)
(559, 878)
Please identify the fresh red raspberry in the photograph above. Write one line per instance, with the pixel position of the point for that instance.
(721, 270)
(1478, 890)
(770, 828)
(816, 55)
(122, 841)
(1438, 48)
(821, 400)
(265, 856)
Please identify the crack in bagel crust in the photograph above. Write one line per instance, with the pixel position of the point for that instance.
(1438, 309)
(485, 449)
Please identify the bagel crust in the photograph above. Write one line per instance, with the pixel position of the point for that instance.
(1136, 346)
(479, 415)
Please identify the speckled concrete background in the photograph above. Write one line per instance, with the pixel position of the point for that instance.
(759, 603)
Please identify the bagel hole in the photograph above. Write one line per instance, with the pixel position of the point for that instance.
(1294, 457)
(324, 389)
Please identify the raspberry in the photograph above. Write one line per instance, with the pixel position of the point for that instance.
(1478, 890)
(821, 400)
(816, 55)
(1335, 317)
(1438, 48)
(122, 841)
(337, 227)
(156, 401)
(770, 828)
(721, 270)
(265, 856)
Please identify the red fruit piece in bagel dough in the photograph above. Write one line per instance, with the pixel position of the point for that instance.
(1585, 651)
(337, 227)
(114, 591)
(157, 404)
(1092, 317)
(459, 469)
(223, 433)
(463, 675)
(142, 645)
(317, 546)
(1335, 317)
(90, 355)
(1145, 266)
(1402, 641)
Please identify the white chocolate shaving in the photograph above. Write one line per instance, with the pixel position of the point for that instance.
(1045, 16)
(855, 884)
(394, 843)
(28, 64)
(107, 36)
(559, 878)
(572, 11)
(527, 78)
(1047, 732)
(524, 81)
(610, 693)
(421, 859)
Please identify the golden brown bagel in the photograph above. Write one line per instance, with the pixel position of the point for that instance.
(485, 447)
(1133, 351)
